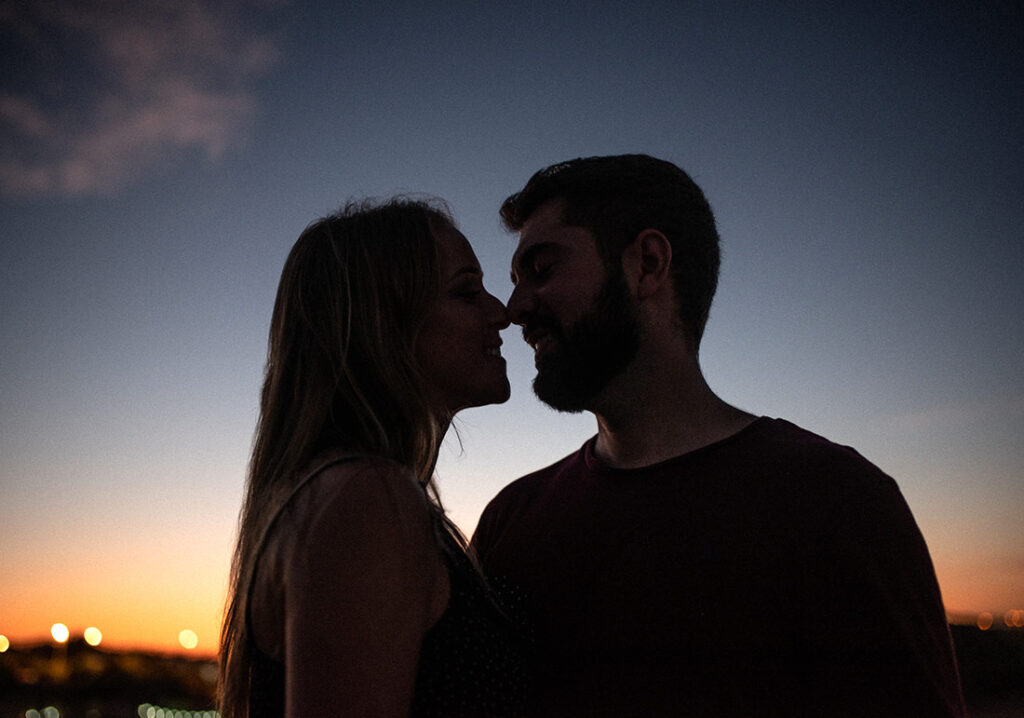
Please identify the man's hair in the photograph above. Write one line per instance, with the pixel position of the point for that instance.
(616, 198)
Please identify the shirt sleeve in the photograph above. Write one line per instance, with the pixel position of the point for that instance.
(365, 584)
(875, 625)
(483, 539)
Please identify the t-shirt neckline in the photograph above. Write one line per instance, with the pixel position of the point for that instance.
(598, 467)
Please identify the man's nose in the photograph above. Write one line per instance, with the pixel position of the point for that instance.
(520, 305)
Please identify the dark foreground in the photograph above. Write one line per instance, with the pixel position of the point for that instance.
(78, 681)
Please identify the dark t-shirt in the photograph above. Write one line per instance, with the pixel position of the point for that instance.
(773, 573)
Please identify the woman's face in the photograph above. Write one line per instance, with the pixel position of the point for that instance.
(459, 346)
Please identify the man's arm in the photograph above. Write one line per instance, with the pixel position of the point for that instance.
(875, 627)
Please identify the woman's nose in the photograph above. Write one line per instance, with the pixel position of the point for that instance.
(500, 314)
(517, 305)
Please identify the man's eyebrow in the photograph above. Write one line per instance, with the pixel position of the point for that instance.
(524, 258)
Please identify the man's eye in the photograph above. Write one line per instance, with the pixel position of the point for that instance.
(542, 269)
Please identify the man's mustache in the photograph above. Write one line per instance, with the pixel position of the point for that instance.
(534, 327)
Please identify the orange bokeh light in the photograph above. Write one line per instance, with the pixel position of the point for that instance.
(188, 639)
(93, 636)
(60, 632)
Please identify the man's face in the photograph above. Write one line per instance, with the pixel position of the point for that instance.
(578, 317)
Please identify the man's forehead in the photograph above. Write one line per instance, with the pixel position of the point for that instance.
(548, 232)
(546, 218)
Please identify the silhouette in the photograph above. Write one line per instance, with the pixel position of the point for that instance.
(351, 592)
(691, 559)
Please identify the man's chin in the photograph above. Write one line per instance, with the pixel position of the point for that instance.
(553, 392)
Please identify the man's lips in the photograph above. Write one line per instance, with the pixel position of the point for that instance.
(493, 349)
(539, 337)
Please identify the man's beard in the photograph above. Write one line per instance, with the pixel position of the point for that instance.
(591, 352)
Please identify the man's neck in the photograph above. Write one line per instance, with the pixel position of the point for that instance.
(656, 418)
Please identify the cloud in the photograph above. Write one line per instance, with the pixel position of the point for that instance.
(1009, 408)
(111, 91)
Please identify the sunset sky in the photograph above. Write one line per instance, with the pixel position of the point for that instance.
(158, 158)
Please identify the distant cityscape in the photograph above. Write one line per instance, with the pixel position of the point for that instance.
(77, 680)
(72, 678)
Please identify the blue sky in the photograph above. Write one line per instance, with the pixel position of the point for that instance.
(158, 159)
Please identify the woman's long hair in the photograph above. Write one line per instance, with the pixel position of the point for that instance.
(340, 373)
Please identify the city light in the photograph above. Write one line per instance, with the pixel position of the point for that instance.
(48, 712)
(93, 636)
(147, 710)
(60, 632)
(188, 639)
(4, 644)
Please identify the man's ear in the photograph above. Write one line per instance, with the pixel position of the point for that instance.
(647, 260)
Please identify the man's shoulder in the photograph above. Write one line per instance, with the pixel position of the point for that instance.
(537, 482)
(513, 502)
(791, 450)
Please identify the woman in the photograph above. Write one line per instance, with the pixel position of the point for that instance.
(351, 593)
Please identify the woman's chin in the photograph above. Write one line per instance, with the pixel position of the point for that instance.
(496, 395)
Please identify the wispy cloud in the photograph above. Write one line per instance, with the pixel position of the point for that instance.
(109, 91)
(965, 413)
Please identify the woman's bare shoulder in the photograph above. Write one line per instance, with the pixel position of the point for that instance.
(359, 517)
(356, 490)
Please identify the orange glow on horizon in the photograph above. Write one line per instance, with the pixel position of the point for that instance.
(982, 585)
(144, 600)
(140, 594)
(140, 610)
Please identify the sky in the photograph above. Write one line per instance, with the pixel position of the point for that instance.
(158, 158)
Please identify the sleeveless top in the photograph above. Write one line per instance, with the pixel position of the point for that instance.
(473, 660)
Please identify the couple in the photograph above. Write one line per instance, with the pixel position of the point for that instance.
(689, 560)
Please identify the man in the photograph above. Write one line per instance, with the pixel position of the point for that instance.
(691, 559)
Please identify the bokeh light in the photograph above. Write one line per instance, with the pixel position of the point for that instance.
(93, 636)
(47, 712)
(188, 639)
(60, 632)
(985, 620)
(4, 644)
(147, 710)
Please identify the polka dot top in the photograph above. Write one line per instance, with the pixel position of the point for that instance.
(473, 660)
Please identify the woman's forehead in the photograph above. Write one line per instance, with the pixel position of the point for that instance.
(455, 254)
